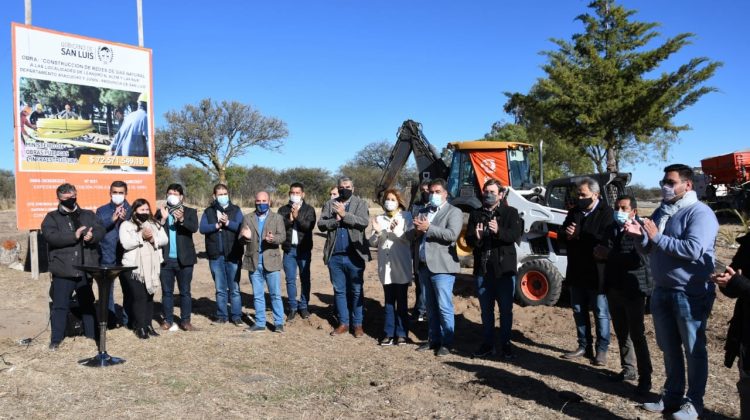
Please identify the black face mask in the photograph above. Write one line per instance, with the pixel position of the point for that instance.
(69, 203)
(425, 197)
(490, 199)
(142, 217)
(584, 203)
(344, 194)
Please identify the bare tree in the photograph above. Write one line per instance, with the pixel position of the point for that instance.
(214, 133)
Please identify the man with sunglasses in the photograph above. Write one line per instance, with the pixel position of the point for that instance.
(679, 239)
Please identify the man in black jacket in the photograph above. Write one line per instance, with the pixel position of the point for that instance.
(299, 219)
(493, 231)
(628, 283)
(735, 283)
(585, 227)
(221, 223)
(181, 223)
(72, 235)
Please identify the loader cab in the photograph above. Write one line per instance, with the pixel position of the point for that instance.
(474, 162)
(562, 192)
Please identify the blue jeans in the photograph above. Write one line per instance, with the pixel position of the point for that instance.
(396, 322)
(170, 270)
(491, 289)
(226, 277)
(292, 262)
(420, 304)
(347, 279)
(680, 324)
(582, 301)
(259, 278)
(438, 290)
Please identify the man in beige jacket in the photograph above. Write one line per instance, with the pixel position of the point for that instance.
(263, 231)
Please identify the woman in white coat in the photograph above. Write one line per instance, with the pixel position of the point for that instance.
(142, 238)
(394, 265)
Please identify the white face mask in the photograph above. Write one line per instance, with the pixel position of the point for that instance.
(436, 199)
(173, 200)
(295, 198)
(667, 193)
(118, 199)
(390, 205)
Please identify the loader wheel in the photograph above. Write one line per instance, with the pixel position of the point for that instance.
(539, 283)
(462, 248)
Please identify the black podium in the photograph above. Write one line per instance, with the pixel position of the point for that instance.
(103, 275)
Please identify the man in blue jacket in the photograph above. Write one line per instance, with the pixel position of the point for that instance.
(679, 239)
(111, 216)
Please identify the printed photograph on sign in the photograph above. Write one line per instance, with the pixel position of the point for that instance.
(81, 128)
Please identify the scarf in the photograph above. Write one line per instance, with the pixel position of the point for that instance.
(171, 209)
(149, 264)
(669, 210)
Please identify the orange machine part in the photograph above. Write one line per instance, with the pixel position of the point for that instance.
(490, 164)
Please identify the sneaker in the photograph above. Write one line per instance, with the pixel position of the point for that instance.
(485, 350)
(255, 329)
(173, 328)
(426, 347)
(219, 321)
(442, 351)
(508, 353)
(238, 323)
(291, 315)
(387, 341)
(400, 341)
(304, 313)
(278, 329)
(53, 346)
(654, 407)
(686, 412)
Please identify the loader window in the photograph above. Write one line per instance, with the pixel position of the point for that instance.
(519, 168)
(461, 173)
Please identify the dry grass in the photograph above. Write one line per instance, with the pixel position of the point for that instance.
(221, 371)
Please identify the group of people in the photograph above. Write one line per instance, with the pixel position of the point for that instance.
(617, 262)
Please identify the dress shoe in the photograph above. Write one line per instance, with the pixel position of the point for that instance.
(426, 347)
(575, 353)
(53, 346)
(442, 351)
(600, 359)
(187, 326)
(341, 329)
(304, 313)
(141, 333)
(624, 375)
(358, 331)
(151, 331)
(278, 329)
(255, 329)
(485, 350)
(238, 323)
(291, 315)
(166, 325)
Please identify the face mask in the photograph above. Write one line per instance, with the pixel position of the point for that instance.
(425, 197)
(69, 203)
(223, 200)
(344, 194)
(436, 200)
(118, 199)
(173, 200)
(142, 217)
(390, 205)
(262, 208)
(621, 217)
(294, 199)
(667, 193)
(490, 199)
(584, 203)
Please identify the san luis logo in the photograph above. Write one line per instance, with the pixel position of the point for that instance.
(105, 54)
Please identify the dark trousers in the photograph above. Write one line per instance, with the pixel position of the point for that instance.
(142, 303)
(62, 291)
(627, 313)
(420, 305)
(396, 321)
(170, 270)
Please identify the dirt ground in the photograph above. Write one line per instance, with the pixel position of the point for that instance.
(304, 373)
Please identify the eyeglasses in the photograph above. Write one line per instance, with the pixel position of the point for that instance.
(669, 182)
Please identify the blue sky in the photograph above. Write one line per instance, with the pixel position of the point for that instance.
(343, 74)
